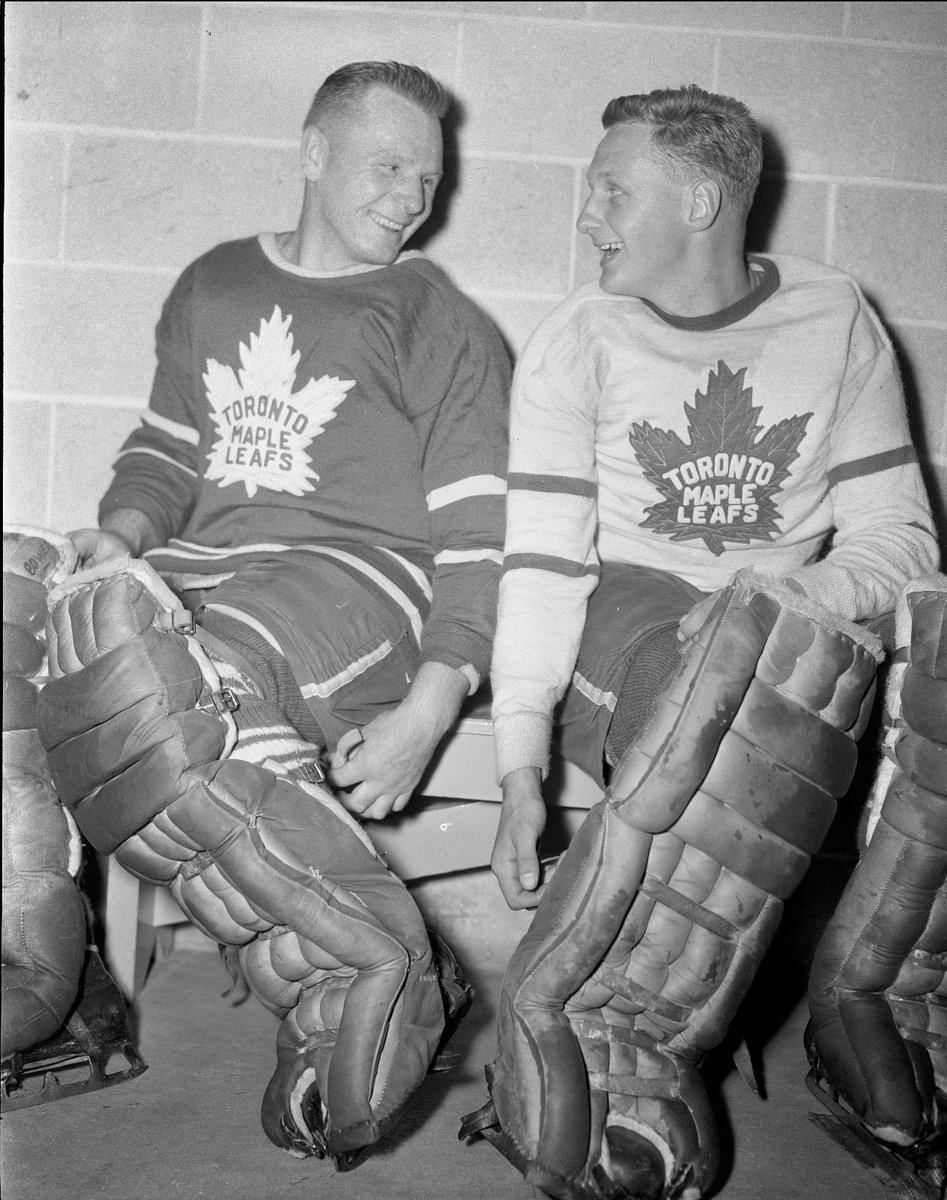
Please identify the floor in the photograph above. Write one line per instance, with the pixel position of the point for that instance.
(189, 1126)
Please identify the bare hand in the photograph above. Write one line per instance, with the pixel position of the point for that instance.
(96, 546)
(384, 760)
(382, 763)
(515, 859)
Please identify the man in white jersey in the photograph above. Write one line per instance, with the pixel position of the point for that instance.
(712, 493)
(696, 412)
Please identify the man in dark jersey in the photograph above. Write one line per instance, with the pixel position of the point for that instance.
(320, 470)
(317, 492)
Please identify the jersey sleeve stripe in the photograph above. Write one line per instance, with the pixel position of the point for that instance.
(463, 489)
(156, 454)
(183, 433)
(412, 569)
(568, 485)
(872, 465)
(547, 562)
(479, 554)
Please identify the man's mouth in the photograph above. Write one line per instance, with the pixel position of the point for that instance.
(608, 250)
(387, 223)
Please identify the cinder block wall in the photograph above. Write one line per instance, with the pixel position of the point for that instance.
(139, 135)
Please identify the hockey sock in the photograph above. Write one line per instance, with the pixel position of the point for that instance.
(263, 733)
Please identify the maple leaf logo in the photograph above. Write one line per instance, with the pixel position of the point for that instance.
(263, 426)
(722, 487)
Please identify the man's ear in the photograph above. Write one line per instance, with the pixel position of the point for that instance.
(702, 204)
(313, 152)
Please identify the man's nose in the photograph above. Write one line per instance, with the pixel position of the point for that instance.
(412, 194)
(588, 218)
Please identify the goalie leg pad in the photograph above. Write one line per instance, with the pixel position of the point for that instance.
(345, 957)
(133, 702)
(332, 942)
(44, 921)
(877, 1037)
(655, 921)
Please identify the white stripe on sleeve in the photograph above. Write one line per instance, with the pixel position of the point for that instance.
(463, 489)
(482, 554)
(157, 454)
(182, 433)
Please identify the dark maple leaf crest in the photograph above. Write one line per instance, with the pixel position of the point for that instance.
(722, 487)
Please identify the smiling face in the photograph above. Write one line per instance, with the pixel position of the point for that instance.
(635, 217)
(372, 174)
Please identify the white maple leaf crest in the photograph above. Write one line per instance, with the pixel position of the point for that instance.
(263, 426)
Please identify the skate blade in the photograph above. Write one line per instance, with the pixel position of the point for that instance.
(920, 1178)
(57, 1077)
(925, 1180)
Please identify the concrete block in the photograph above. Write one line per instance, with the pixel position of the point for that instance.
(508, 227)
(541, 88)
(82, 332)
(923, 23)
(26, 443)
(131, 65)
(90, 434)
(844, 110)
(515, 317)
(156, 203)
(33, 194)
(807, 18)
(891, 239)
(264, 64)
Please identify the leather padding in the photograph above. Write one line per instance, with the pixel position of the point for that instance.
(878, 986)
(331, 941)
(129, 709)
(44, 918)
(651, 929)
(122, 732)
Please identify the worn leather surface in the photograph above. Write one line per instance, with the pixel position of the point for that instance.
(330, 940)
(656, 919)
(877, 992)
(44, 923)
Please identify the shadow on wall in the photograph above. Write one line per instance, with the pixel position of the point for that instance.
(769, 195)
(450, 182)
